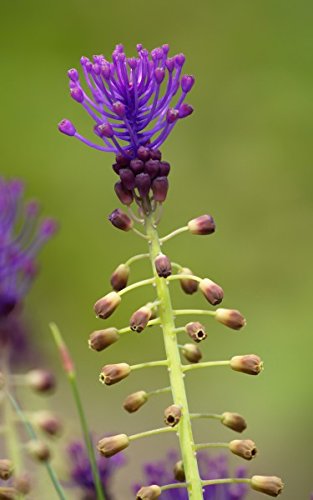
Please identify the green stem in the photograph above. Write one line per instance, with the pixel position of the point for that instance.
(140, 256)
(158, 391)
(153, 432)
(206, 415)
(205, 364)
(149, 364)
(174, 233)
(173, 486)
(174, 277)
(228, 480)
(174, 366)
(203, 446)
(183, 312)
(152, 322)
(148, 281)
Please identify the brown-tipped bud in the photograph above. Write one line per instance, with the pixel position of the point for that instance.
(48, 422)
(121, 220)
(135, 401)
(39, 451)
(101, 339)
(106, 306)
(250, 364)
(2, 381)
(6, 469)
(140, 318)
(196, 331)
(149, 492)
(111, 445)
(119, 277)
(202, 225)
(172, 415)
(192, 353)
(41, 381)
(163, 266)
(270, 485)
(111, 374)
(179, 472)
(22, 483)
(7, 493)
(212, 292)
(231, 318)
(189, 286)
(244, 448)
(234, 421)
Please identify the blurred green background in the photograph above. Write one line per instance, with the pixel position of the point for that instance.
(245, 156)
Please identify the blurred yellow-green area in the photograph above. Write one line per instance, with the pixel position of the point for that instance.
(245, 156)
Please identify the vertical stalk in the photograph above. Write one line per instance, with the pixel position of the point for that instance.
(185, 435)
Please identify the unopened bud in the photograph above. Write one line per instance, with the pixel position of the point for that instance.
(111, 374)
(140, 318)
(244, 448)
(6, 469)
(189, 286)
(41, 381)
(196, 331)
(234, 421)
(121, 220)
(163, 266)
(270, 485)
(124, 195)
(135, 401)
(106, 306)
(231, 318)
(149, 492)
(202, 225)
(39, 450)
(192, 353)
(250, 364)
(22, 483)
(160, 188)
(101, 339)
(179, 472)
(119, 277)
(212, 292)
(111, 445)
(48, 422)
(172, 415)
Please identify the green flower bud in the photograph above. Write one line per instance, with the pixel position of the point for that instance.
(38, 450)
(192, 353)
(179, 472)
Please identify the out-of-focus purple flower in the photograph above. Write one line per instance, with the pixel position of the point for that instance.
(81, 473)
(161, 473)
(131, 100)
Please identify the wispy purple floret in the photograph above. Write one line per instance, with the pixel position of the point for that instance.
(161, 473)
(133, 101)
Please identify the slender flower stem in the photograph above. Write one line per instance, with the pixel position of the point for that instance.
(153, 432)
(203, 446)
(133, 286)
(173, 486)
(227, 480)
(152, 322)
(184, 312)
(205, 364)
(180, 329)
(174, 364)
(71, 375)
(176, 265)
(159, 391)
(139, 233)
(149, 364)
(183, 277)
(140, 256)
(205, 415)
(174, 233)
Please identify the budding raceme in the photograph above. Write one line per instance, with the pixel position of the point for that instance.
(163, 266)
(111, 445)
(47, 422)
(6, 469)
(249, 363)
(244, 448)
(135, 401)
(101, 339)
(121, 220)
(231, 318)
(172, 415)
(234, 421)
(196, 331)
(119, 277)
(189, 286)
(149, 492)
(106, 306)
(270, 485)
(111, 374)
(38, 450)
(140, 318)
(41, 381)
(212, 292)
(204, 224)
(192, 353)
(179, 472)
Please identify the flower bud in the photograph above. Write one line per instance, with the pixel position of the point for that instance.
(143, 153)
(250, 364)
(111, 374)
(48, 422)
(137, 166)
(212, 292)
(172, 415)
(121, 220)
(140, 318)
(6, 469)
(111, 445)
(196, 331)
(234, 421)
(119, 277)
(270, 485)
(202, 225)
(143, 183)
(39, 450)
(22, 483)
(192, 353)
(244, 448)
(179, 472)
(67, 127)
(135, 401)
(124, 195)
(41, 381)
(106, 306)
(101, 339)
(231, 318)
(164, 169)
(128, 178)
(149, 492)
(160, 188)
(189, 286)
(152, 168)
(163, 266)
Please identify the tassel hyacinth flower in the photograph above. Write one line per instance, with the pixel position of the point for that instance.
(135, 104)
